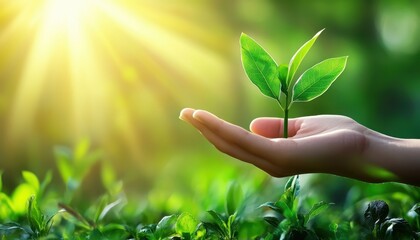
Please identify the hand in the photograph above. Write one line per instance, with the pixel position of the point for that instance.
(317, 144)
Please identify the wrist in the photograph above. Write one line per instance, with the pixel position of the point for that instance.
(390, 159)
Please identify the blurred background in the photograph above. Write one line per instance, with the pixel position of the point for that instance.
(110, 77)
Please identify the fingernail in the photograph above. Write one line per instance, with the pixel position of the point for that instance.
(181, 116)
(196, 115)
(183, 112)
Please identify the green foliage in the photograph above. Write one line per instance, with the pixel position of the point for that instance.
(39, 225)
(234, 198)
(288, 222)
(222, 226)
(273, 80)
(38, 222)
(186, 225)
(294, 215)
(74, 164)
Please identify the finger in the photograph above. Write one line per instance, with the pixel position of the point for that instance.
(267, 127)
(253, 143)
(273, 127)
(227, 147)
(186, 114)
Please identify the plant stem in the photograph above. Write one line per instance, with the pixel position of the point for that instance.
(286, 117)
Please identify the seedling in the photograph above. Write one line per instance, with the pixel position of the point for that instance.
(289, 222)
(277, 81)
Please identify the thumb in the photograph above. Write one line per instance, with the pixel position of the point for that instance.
(267, 127)
(272, 127)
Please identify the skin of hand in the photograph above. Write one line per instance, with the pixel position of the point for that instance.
(316, 144)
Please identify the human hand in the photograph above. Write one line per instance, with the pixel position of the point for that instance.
(316, 144)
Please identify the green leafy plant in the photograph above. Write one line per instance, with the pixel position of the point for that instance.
(226, 225)
(176, 226)
(287, 220)
(277, 81)
(39, 225)
(74, 164)
(93, 221)
(222, 226)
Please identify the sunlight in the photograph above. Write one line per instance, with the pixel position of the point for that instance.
(60, 10)
(98, 68)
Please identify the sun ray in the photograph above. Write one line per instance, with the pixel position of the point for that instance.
(174, 49)
(109, 70)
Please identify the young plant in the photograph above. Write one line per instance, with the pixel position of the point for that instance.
(277, 80)
(39, 224)
(226, 225)
(288, 221)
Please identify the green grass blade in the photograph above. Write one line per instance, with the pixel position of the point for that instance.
(298, 57)
(317, 79)
(260, 67)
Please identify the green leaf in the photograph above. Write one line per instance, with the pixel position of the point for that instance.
(317, 79)
(63, 157)
(10, 228)
(81, 149)
(287, 212)
(35, 217)
(109, 207)
(260, 67)
(416, 208)
(273, 221)
(293, 184)
(272, 206)
(20, 197)
(234, 198)
(6, 207)
(186, 223)
(31, 179)
(200, 231)
(44, 183)
(218, 220)
(165, 227)
(231, 221)
(282, 75)
(298, 57)
(316, 209)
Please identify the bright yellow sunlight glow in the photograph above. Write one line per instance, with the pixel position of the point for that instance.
(114, 71)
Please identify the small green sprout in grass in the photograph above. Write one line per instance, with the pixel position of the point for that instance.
(277, 81)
